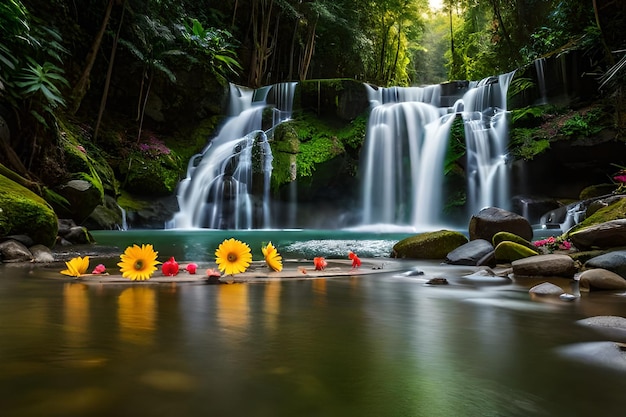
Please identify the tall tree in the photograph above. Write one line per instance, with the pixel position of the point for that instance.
(81, 86)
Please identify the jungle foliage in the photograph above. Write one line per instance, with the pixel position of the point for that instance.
(105, 58)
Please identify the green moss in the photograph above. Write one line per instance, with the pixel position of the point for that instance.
(24, 212)
(130, 203)
(614, 211)
(508, 251)
(511, 237)
(431, 245)
(314, 141)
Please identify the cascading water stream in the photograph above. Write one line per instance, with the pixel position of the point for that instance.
(227, 185)
(406, 142)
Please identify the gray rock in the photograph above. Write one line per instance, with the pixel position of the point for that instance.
(470, 253)
(78, 235)
(546, 288)
(545, 265)
(604, 235)
(41, 253)
(613, 322)
(610, 355)
(613, 261)
(492, 220)
(601, 279)
(14, 251)
(83, 198)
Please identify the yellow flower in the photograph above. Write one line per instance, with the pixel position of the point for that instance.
(76, 266)
(138, 263)
(272, 258)
(233, 256)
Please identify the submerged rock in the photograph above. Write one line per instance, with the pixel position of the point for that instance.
(546, 288)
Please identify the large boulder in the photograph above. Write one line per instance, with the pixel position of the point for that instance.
(492, 220)
(613, 261)
(430, 245)
(470, 253)
(24, 212)
(600, 236)
(545, 266)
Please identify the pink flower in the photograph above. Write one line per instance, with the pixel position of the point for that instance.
(356, 262)
(170, 267)
(213, 273)
(620, 178)
(565, 245)
(191, 268)
(99, 269)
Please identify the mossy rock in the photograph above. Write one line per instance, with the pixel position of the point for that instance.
(511, 237)
(23, 212)
(598, 190)
(614, 211)
(429, 245)
(153, 176)
(508, 251)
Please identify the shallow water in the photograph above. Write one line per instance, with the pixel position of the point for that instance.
(384, 344)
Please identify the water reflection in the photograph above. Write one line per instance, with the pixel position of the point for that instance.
(76, 314)
(233, 311)
(136, 313)
(352, 346)
(271, 304)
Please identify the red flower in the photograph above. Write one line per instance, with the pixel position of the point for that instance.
(320, 263)
(191, 268)
(170, 268)
(356, 262)
(99, 269)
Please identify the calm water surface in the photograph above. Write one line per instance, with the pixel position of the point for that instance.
(372, 345)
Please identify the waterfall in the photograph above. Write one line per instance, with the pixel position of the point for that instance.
(540, 65)
(486, 139)
(404, 152)
(227, 185)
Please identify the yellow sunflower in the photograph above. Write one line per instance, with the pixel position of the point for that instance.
(233, 256)
(76, 266)
(138, 263)
(272, 258)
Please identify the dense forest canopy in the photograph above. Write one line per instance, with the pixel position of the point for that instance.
(67, 57)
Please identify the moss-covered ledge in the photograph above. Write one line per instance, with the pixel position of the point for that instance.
(23, 212)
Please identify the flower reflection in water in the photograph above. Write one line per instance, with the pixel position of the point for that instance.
(233, 311)
(76, 313)
(137, 314)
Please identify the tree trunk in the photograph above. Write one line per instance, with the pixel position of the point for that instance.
(308, 51)
(143, 107)
(107, 83)
(80, 89)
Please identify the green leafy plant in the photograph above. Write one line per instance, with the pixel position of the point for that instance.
(585, 124)
(39, 84)
(214, 44)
